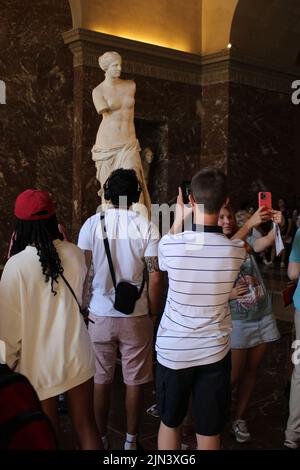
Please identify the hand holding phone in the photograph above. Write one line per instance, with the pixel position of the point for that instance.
(186, 191)
(265, 200)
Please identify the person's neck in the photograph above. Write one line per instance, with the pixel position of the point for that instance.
(112, 80)
(124, 208)
(206, 219)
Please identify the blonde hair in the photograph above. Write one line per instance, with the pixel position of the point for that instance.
(108, 58)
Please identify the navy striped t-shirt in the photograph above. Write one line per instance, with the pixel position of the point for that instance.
(196, 323)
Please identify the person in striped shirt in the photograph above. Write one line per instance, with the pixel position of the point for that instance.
(193, 344)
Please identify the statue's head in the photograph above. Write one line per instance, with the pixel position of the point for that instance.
(147, 155)
(108, 58)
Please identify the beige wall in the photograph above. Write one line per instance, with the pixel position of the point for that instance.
(169, 23)
(266, 30)
(216, 24)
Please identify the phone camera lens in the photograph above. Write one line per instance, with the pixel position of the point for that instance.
(263, 196)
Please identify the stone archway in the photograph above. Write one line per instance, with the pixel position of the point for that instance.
(268, 31)
(216, 24)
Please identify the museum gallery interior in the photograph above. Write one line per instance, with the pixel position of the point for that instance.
(215, 85)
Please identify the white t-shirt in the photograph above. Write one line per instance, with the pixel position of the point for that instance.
(131, 238)
(196, 323)
(44, 333)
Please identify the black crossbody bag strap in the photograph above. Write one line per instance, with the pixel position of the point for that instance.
(107, 251)
(73, 293)
(108, 254)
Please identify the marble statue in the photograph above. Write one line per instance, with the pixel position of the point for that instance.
(116, 144)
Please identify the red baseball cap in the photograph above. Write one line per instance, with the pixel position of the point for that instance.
(34, 204)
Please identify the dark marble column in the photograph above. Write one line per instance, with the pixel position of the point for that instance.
(262, 144)
(36, 121)
(249, 127)
(215, 119)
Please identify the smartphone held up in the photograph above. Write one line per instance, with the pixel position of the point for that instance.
(265, 200)
(186, 191)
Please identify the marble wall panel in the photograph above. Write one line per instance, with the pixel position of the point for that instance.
(36, 121)
(214, 125)
(262, 151)
(251, 134)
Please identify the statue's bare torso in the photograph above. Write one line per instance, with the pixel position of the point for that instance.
(115, 101)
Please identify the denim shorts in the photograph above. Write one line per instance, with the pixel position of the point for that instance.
(247, 334)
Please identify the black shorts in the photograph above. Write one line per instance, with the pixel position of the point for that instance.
(210, 388)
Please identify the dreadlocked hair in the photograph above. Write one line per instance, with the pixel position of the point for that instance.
(41, 234)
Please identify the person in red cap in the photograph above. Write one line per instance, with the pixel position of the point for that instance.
(43, 331)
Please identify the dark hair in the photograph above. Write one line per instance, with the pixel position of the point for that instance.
(122, 183)
(246, 205)
(41, 234)
(209, 187)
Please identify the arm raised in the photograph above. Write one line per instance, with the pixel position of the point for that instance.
(260, 216)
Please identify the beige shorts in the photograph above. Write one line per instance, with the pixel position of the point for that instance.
(133, 336)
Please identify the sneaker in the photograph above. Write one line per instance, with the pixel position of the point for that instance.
(184, 446)
(130, 445)
(105, 443)
(240, 431)
(153, 411)
(291, 444)
(133, 446)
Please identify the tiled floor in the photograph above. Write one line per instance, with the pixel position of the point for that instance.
(268, 409)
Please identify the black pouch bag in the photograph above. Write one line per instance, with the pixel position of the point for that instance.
(126, 294)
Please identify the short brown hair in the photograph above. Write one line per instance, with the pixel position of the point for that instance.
(209, 187)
